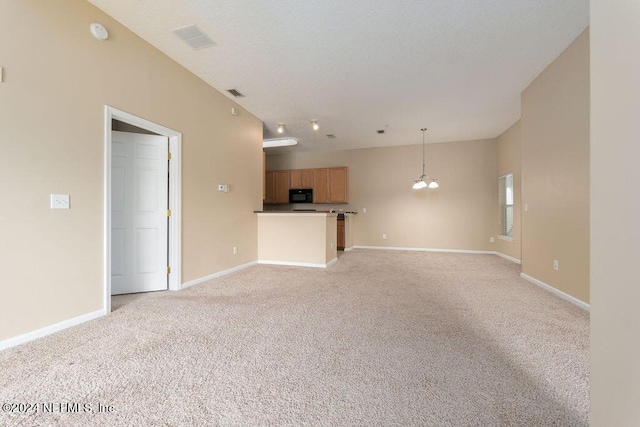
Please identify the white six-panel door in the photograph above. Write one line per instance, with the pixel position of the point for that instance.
(139, 177)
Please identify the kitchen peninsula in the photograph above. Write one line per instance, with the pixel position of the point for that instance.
(299, 238)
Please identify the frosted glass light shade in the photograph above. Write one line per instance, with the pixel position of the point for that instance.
(278, 142)
(419, 184)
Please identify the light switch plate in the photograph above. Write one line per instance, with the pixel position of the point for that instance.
(59, 201)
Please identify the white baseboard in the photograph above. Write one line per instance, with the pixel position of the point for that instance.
(557, 292)
(297, 264)
(458, 251)
(199, 280)
(48, 330)
(510, 258)
(348, 249)
(333, 261)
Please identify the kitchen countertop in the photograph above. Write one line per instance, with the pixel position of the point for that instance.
(297, 213)
(305, 212)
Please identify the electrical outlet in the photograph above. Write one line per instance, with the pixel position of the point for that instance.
(331, 245)
(384, 236)
(235, 250)
(364, 210)
(526, 207)
(556, 265)
(491, 240)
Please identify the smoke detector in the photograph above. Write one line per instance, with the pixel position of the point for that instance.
(98, 31)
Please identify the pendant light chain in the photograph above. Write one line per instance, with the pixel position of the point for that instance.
(423, 131)
(420, 182)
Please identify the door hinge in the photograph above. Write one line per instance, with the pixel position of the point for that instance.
(169, 156)
(168, 213)
(168, 270)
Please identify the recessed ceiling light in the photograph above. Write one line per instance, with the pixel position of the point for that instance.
(280, 127)
(314, 125)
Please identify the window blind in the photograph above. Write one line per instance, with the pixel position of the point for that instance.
(506, 205)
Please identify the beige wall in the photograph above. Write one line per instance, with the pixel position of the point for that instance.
(331, 238)
(460, 215)
(57, 81)
(509, 160)
(307, 238)
(555, 172)
(615, 213)
(348, 231)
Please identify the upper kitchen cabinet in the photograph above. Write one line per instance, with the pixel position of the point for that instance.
(301, 178)
(281, 187)
(269, 187)
(321, 185)
(338, 185)
(330, 185)
(276, 191)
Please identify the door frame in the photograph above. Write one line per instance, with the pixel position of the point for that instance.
(175, 197)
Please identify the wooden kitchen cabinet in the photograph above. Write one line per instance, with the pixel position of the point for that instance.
(340, 239)
(330, 185)
(281, 187)
(269, 187)
(264, 172)
(321, 185)
(338, 185)
(301, 178)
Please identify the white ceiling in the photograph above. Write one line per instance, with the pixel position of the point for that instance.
(455, 66)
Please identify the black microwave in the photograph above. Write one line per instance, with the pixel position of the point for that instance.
(301, 195)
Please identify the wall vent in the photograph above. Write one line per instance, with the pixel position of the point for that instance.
(235, 93)
(194, 37)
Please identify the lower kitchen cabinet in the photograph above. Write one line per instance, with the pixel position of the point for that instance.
(340, 239)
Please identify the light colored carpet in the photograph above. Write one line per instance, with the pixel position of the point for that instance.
(380, 338)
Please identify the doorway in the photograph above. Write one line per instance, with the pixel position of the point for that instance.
(142, 172)
(139, 212)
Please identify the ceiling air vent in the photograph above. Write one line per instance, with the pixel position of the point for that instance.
(331, 136)
(194, 37)
(381, 131)
(235, 93)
